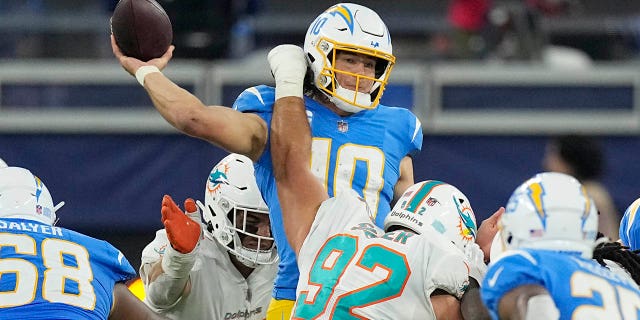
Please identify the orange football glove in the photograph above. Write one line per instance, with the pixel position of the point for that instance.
(182, 231)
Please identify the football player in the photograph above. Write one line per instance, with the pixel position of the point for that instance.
(228, 272)
(358, 143)
(350, 268)
(549, 229)
(49, 272)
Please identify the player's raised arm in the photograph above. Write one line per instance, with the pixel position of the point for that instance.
(168, 280)
(222, 126)
(299, 192)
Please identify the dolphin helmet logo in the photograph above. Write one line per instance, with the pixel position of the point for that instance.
(218, 177)
(467, 226)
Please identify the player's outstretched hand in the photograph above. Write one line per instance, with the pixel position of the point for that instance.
(182, 231)
(131, 64)
(288, 66)
(487, 230)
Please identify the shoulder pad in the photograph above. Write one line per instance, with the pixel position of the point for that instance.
(255, 99)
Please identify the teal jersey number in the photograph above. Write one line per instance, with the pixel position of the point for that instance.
(330, 265)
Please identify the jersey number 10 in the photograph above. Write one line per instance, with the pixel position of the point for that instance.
(347, 158)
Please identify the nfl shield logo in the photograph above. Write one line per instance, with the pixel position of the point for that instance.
(343, 126)
(432, 202)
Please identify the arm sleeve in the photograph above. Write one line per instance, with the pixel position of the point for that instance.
(448, 271)
(416, 135)
(165, 291)
(118, 264)
(258, 99)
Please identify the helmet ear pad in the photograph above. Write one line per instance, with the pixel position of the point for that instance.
(231, 193)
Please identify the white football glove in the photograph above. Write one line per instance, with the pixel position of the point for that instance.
(475, 257)
(288, 66)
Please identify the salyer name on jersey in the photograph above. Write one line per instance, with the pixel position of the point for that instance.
(55, 273)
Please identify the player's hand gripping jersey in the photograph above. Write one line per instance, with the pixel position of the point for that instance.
(358, 271)
(48, 272)
(580, 288)
(360, 152)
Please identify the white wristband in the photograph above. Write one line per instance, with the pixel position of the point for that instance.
(143, 71)
(176, 264)
(286, 88)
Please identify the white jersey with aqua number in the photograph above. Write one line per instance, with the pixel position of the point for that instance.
(218, 290)
(351, 269)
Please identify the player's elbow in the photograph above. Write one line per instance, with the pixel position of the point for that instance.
(160, 297)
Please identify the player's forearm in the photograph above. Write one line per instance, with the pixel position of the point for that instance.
(290, 138)
(167, 280)
(471, 304)
(224, 127)
(165, 291)
(299, 192)
(175, 104)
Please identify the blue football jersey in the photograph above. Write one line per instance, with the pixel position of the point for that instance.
(48, 272)
(360, 152)
(580, 288)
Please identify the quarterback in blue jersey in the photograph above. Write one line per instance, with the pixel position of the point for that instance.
(48, 272)
(358, 143)
(549, 229)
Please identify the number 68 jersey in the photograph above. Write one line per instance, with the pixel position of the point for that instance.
(351, 269)
(47, 272)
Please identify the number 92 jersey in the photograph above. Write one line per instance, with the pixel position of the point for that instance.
(580, 288)
(360, 152)
(49, 272)
(351, 269)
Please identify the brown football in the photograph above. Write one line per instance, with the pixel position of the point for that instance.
(141, 28)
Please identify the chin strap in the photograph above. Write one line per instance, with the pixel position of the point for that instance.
(363, 99)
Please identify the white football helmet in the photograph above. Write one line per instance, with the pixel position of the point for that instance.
(230, 189)
(629, 231)
(354, 28)
(3, 164)
(434, 205)
(24, 196)
(551, 211)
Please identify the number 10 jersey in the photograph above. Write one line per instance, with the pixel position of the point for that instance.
(362, 152)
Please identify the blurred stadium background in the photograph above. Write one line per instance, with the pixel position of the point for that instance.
(490, 80)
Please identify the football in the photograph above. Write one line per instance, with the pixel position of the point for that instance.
(141, 28)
